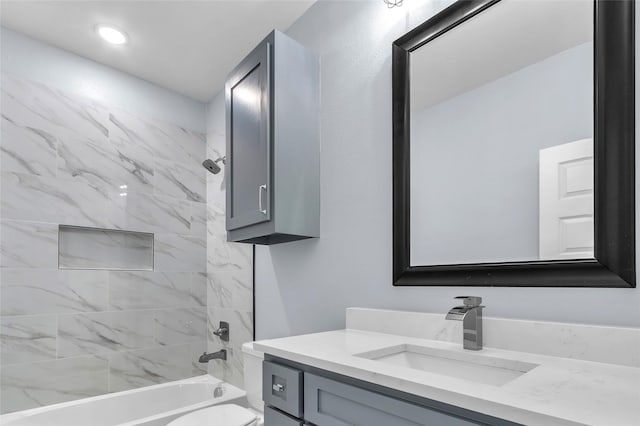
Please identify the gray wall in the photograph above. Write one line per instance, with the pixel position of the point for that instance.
(305, 286)
(474, 160)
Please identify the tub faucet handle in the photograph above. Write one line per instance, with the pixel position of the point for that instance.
(223, 331)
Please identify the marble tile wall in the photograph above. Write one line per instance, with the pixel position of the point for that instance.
(229, 265)
(70, 333)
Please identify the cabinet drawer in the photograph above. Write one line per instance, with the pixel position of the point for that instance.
(273, 417)
(331, 403)
(282, 388)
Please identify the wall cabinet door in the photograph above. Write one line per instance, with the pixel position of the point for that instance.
(331, 403)
(249, 142)
(272, 172)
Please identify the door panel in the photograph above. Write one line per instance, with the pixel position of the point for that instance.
(273, 417)
(248, 142)
(331, 403)
(566, 201)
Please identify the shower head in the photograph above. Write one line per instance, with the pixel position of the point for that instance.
(212, 166)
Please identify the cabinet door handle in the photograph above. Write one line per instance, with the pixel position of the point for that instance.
(260, 188)
(278, 387)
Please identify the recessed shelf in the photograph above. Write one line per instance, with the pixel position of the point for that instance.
(95, 248)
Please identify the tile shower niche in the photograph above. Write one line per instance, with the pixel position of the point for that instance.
(94, 248)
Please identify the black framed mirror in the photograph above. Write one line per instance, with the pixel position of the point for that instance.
(513, 146)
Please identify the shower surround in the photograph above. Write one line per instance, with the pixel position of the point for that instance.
(229, 265)
(72, 333)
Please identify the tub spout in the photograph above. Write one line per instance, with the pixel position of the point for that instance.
(221, 354)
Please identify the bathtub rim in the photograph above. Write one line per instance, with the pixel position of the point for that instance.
(232, 394)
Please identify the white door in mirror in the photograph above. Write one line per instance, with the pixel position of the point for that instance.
(566, 201)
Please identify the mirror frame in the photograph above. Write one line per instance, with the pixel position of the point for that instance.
(614, 163)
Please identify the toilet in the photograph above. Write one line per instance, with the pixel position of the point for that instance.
(233, 414)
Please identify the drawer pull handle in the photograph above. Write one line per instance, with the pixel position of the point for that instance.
(278, 387)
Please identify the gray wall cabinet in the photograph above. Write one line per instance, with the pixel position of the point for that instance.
(273, 144)
(296, 394)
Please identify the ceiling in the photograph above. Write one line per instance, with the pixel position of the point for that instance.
(506, 37)
(185, 46)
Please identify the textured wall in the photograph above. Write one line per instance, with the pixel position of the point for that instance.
(229, 265)
(68, 334)
(305, 286)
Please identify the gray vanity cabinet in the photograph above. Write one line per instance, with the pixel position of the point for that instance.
(278, 418)
(296, 394)
(331, 403)
(272, 137)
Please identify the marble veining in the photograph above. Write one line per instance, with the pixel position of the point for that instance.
(180, 181)
(49, 382)
(26, 149)
(174, 252)
(149, 289)
(41, 107)
(52, 291)
(197, 349)
(100, 163)
(28, 244)
(145, 367)
(183, 325)
(199, 288)
(229, 266)
(157, 139)
(27, 339)
(35, 198)
(241, 324)
(104, 332)
(198, 219)
(71, 333)
(219, 293)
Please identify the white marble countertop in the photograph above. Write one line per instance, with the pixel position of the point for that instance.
(559, 391)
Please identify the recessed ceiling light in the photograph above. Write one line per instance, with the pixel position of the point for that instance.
(111, 35)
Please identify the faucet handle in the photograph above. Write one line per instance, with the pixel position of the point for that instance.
(470, 301)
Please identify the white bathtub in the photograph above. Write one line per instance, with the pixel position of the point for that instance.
(149, 406)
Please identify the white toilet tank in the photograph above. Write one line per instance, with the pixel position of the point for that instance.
(253, 375)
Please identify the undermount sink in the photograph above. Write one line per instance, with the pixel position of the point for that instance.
(462, 365)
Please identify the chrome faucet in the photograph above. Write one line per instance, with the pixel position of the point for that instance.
(221, 354)
(471, 316)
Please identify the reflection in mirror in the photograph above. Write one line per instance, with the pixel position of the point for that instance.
(501, 137)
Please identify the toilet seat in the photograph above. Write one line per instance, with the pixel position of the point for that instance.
(217, 415)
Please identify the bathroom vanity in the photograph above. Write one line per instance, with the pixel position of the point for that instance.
(403, 368)
(296, 393)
